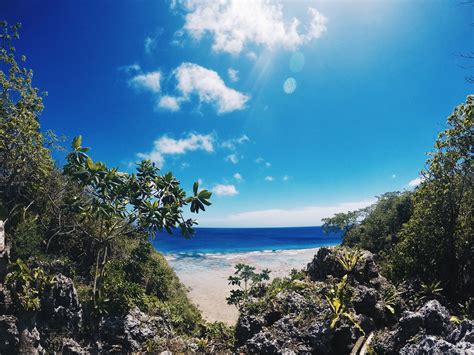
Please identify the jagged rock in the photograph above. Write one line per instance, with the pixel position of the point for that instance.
(364, 301)
(434, 345)
(263, 343)
(30, 339)
(435, 318)
(71, 347)
(319, 337)
(6, 302)
(409, 325)
(325, 264)
(132, 331)
(464, 333)
(9, 335)
(60, 307)
(247, 326)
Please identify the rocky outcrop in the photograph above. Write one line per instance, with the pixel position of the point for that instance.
(427, 331)
(60, 306)
(297, 319)
(10, 336)
(132, 331)
(325, 264)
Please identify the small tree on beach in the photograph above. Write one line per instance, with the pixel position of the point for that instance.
(249, 282)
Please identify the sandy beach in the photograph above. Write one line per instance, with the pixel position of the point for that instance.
(206, 275)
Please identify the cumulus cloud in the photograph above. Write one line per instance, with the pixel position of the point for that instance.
(233, 74)
(234, 24)
(224, 190)
(192, 80)
(209, 87)
(238, 177)
(169, 146)
(305, 216)
(150, 81)
(415, 182)
(170, 103)
(268, 178)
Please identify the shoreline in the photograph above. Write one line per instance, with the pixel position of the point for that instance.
(201, 272)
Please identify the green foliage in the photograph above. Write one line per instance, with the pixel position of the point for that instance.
(26, 285)
(430, 290)
(437, 243)
(375, 228)
(119, 202)
(348, 259)
(391, 298)
(25, 162)
(339, 299)
(249, 282)
(27, 240)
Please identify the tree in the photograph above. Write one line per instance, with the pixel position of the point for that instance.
(24, 161)
(376, 227)
(118, 203)
(437, 242)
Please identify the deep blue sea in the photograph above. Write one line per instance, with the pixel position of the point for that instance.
(238, 240)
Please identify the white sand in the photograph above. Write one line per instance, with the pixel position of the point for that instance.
(206, 276)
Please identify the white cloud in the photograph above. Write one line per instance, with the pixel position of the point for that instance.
(170, 146)
(394, 176)
(286, 178)
(231, 143)
(268, 178)
(238, 177)
(149, 81)
(191, 80)
(225, 190)
(209, 87)
(235, 24)
(415, 182)
(170, 103)
(233, 158)
(304, 216)
(233, 74)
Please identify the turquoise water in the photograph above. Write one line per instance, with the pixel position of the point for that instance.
(238, 240)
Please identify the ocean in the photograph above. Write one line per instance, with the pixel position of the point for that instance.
(242, 240)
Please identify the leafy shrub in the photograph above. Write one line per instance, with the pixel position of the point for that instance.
(26, 285)
(249, 283)
(26, 241)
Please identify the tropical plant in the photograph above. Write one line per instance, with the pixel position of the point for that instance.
(430, 290)
(338, 299)
(27, 284)
(119, 203)
(348, 259)
(249, 282)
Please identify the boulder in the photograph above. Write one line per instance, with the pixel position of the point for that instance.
(71, 347)
(464, 333)
(247, 325)
(60, 308)
(434, 345)
(318, 336)
(132, 331)
(435, 318)
(9, 334)
(325, 264)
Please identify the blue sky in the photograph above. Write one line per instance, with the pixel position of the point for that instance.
(200, 88)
